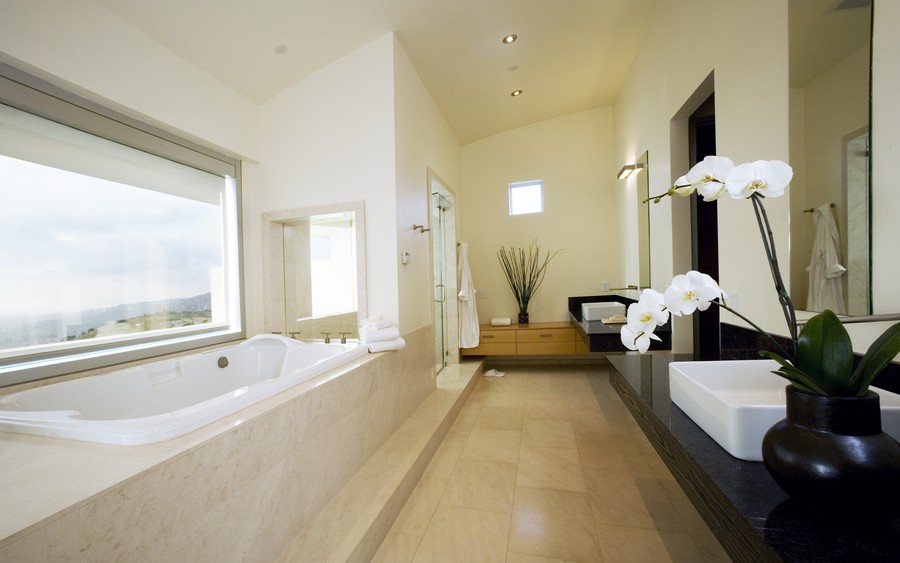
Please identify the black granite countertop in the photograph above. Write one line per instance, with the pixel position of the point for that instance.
(749, 513)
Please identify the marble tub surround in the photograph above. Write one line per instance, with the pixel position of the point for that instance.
(354, 523)
(237, 489)
(547, 464)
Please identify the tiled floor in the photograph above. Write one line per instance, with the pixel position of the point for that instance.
(546, 464)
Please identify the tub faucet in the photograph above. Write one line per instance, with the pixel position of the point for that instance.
(344, 337)
(294, 334)
(327, 337)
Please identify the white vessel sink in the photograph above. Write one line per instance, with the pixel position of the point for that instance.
(736, 402)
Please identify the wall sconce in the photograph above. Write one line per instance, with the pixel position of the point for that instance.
(630, 169)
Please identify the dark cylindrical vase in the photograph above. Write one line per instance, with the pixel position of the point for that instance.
(830, 452)
(523, 317)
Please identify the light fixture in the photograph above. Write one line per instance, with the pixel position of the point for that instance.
(281, 49)
(515, 93)
(511, 38)
(626, 171)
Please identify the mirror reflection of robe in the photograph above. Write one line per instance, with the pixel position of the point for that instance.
(469, 332)
(825, 269)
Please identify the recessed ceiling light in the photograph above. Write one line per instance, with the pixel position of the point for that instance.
(513, 68)
(280, 49)
(511, 38)
(515, 93)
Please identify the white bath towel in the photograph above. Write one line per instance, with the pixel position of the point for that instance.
(379, 324)
(469, 331)
(500, 321)
(368, 335)
(387, 345)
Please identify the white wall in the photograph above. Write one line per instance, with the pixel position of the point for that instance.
(745, 45)
(423, 140)
(328, 139)
(573, 155)
(81, 46)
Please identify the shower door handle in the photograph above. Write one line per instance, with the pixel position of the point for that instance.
(443, 297)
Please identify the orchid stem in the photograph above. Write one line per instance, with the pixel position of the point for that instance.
(754, 325)
(787, 307)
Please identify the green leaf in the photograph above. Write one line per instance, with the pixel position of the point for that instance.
(825, 353)
(797, 378)
(879, 354)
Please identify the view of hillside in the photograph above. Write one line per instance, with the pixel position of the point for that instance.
(119, 319)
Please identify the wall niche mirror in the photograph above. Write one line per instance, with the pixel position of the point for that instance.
(314, 261)
(830, 70)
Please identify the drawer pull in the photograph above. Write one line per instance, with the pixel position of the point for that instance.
(487, 335)
(546, 335)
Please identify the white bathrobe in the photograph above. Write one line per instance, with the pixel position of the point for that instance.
(468, 315)
(825, 269)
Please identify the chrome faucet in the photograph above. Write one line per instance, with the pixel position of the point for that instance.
(327, 337)
(294, 334)
(344, 337)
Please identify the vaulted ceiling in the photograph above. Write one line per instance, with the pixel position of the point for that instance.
(571, 55)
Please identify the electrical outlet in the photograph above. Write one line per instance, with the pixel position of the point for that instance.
(733, 300)
(606, 286)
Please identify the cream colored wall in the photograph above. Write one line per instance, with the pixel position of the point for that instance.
(573, 155)
(326, 140)
(745, 45)
(81, 46)
(423, 140)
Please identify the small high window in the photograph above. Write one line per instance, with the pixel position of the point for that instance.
(526, 197)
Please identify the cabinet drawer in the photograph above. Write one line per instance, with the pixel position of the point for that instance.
(544, 348)
(497, 336)
(491, 349)
(546, 335)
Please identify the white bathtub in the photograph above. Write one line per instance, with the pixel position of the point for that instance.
(165, 399)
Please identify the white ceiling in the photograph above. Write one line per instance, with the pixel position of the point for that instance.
(571, 55)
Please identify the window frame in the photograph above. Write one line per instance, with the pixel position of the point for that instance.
(528, 183)
(31, 94)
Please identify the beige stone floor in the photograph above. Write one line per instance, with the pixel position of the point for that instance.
(546, 464)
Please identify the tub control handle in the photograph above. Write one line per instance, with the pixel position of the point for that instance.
(222, 362)
(344, 337)
(294, 334)
(327, 337)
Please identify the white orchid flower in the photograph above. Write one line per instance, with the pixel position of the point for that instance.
(682, 187)
(636, 340)
(768, 178)
(691, 292)
(708, 176)
(643, 317)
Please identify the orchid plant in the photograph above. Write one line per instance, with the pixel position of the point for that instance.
(820, 358)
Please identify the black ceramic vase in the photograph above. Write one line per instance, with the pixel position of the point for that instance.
(523, 317)
(830, 452)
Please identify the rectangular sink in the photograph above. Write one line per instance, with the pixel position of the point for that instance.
(736, 402)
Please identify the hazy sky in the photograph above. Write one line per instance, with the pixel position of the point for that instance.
(70, 242)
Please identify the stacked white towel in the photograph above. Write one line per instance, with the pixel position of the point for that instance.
(380, 335)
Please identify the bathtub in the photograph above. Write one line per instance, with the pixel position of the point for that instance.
(161, 400)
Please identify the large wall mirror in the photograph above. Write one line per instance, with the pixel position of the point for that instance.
(643, 194)
(830, 69)
(315, 271)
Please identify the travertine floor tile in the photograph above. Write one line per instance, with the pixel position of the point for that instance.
(550, 468)
(445, 458)
(537, 433)
(483, 485)
(636, 545)
(553, 524)
(547, 408)
(463, 534)
(500, 418)
(397, 548)
(493, 445)
(420, 507)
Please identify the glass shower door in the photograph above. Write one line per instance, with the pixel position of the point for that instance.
(439, 206)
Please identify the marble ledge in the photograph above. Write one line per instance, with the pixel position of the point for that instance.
(43, 478)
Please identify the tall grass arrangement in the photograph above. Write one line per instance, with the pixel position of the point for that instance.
(524, 272)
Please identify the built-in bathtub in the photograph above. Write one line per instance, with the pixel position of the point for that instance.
(161, 400)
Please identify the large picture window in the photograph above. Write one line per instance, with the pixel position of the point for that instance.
(110, 252)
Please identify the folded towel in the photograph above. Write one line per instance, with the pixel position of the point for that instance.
(367, 335)
(500, 321)
(376, 318)
(386, 345)
(376, 324)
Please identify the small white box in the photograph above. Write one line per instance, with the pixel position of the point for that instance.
(602, 310)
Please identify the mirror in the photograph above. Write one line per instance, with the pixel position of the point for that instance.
(643, 194)
(314, 260)
(829, 81)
